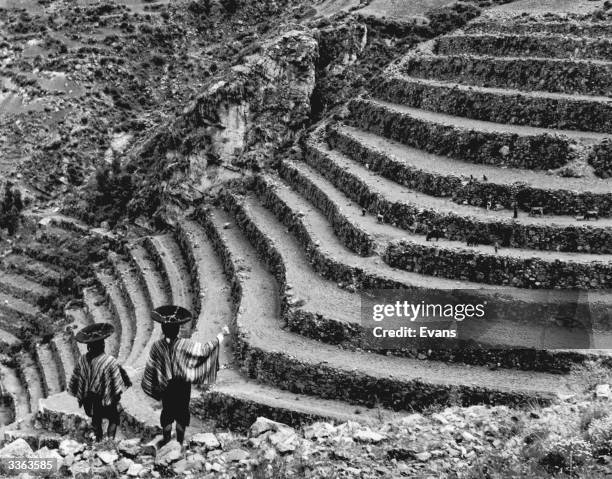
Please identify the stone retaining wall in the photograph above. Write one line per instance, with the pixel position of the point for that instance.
(452, 263)
(238, 414)
(493, 269)
(517, 306)
(537, 152)
(585, 77)
(323, 380)
(459, 227)
(353, 237)
(475, 192)
(576, 28)
(516, 109)
(519, 46)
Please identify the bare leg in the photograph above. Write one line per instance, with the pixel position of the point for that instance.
(96, 422)
(180, 432)
(167, 432)
(112, 429)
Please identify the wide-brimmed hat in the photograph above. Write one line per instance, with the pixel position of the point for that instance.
(94, 332)
(171, 314)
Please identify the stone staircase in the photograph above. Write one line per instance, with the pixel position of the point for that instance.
(451, 138)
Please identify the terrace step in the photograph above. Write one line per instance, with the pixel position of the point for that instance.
(31, 379)
(451, 259)
(236, 402)
(136, 299)
(41, 273)
(294, 362)
(538, 25)
(472, 140)
(533, 108)
(211, 292)
(8, 341)
(45, 361)
(416, 212)
(29, 432)
(64, 356)
(529, 45)
(99, 312)
(120, 312)
(23, 288)
(12, 385)
(322, 251)
(149, 276)
(587, 77)
(166, 254)
(61, 414)
(15, 312)
(463, 181)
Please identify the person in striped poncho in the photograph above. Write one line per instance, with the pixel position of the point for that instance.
(174, 364)
(98, 380)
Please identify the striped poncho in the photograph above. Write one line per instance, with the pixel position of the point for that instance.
(184, 359)
(100, 375)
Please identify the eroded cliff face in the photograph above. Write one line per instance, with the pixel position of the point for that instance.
(243, 118)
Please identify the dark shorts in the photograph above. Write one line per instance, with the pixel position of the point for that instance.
(98, 411)
(175, 403)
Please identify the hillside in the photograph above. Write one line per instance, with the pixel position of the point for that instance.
(274, 165)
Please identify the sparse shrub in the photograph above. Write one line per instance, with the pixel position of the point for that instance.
(566, 455)
(445, 19)
(599, 435)
(230, 6)
(200, 7)
(592, 413)
(39, 328)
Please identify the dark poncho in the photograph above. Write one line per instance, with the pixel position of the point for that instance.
(101, 376)
(183, 359)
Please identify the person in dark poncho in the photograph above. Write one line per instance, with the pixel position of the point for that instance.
(98, 380)
(174, 364)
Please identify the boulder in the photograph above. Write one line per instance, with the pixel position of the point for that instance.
(70, 446)
(135, 469)
(129, 447)
(17, 448)
(150, 448)
(284, 440)
(107, 457)
(123, 464)
(319, 429)
(235, 455)
(205, 439)
(169, 453)
(46, 453)
(367, 435)
(80, 467)
(423, 456)
(263, 424)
